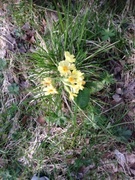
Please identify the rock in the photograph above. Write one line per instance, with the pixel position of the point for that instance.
(39, 178)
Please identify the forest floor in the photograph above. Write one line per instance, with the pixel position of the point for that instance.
(89, 138)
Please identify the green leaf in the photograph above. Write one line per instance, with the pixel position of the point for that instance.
(95, 86)
(123, 134)
(82, 99)
(106, 34)
(2, 64)
(13, 88)
(107, 78)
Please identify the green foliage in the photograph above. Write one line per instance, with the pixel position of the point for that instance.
(83, 98)
(57, 118)
(3, 64)
(122, 134)
(106, 34)
(12, 172)
(98, 85)
(6, 175)
(79, 163)
(13, 88)
(64, 35)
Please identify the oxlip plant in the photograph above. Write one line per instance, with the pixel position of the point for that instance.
(68, 67)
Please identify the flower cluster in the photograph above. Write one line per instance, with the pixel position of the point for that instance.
(72, 78)
(48, 87)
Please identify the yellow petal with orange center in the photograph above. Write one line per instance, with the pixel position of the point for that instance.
(65, 68)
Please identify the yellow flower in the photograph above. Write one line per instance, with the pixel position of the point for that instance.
(69, 57)
(50, 90)
(71, 79)
(74, 83)
(47, 81)
(77, 87)
(72, 95)
(75, 77)
(65, 68)
(78, 74)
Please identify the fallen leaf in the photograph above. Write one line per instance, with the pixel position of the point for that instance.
(130, 159)
(117, 98)
(119, 91)
(24, 120)
(122, 161)
(41, 120)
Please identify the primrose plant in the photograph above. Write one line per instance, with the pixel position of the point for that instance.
(72, 79)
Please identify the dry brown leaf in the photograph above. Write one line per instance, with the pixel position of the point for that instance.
(131, 162)
(130, 159)
(41, 120)
(24, 120)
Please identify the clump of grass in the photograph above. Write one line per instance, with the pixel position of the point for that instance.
(58, 144)
(65, 35)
